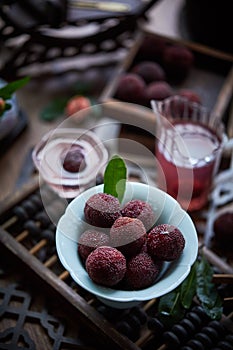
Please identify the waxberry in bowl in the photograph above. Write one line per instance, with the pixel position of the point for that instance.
(73, 223)
(142, 271)
(141, 210)
(165, 242)
(106, 266)
(128, 235)
(102, 210)
(90, 240)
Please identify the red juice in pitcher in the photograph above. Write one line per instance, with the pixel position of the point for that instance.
(187, 157)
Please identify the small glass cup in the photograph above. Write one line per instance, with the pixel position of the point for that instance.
(49, 154)
(189, 144)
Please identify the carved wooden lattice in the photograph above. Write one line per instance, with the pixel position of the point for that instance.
(17, 304)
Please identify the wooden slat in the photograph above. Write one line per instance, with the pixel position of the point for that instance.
(19, 195)
(100, 326)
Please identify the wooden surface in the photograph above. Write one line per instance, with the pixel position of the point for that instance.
(31, 101)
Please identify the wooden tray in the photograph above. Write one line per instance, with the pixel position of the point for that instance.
(211, 77)
(27, 243)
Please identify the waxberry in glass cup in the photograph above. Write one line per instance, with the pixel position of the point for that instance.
(74, 159)
(69, 159)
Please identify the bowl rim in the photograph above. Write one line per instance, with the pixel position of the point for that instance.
(180, 268)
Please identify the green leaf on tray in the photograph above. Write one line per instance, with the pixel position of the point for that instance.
(188, 288)
(198, 283)
(206, 290)
(7, 90)
(170, 308)
(215, 312)
(54, 110)
(115, 177)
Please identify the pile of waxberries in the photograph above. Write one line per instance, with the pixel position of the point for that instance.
(158, 66)
(128, 253)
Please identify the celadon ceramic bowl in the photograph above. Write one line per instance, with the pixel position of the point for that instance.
(72, 224)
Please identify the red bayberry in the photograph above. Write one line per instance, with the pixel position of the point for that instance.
(158, 90)
(128, 235)
(106, 266)
(141, 210)
(191, 95)
(142, 271)
(102, 210)
(223, 229)
(178, 61)
(74, 160)
(130, 88)
(89, 241)
(165, 242)
(149, 71)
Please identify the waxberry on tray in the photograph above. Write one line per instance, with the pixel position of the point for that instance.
(142, 271)
(74, 159)
(152, 48)
(149, 71)
(102, 210)
(130, 88)
(106, 266)
(158, 90)
(141, 210)
(90, 240)
(191, 95)
(222, 228)
(177, 61)
(165, 242)
(128, 235)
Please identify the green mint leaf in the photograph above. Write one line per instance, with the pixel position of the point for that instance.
(170, 308)
(215, 312)
(188, 288)
(7, 90)
(115, 177)
(206, 290)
